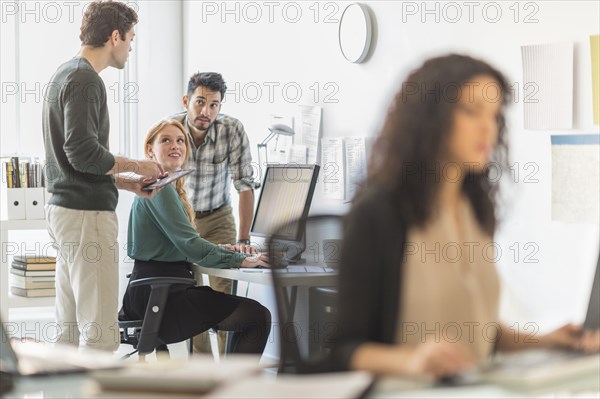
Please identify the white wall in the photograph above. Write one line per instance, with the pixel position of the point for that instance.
(158, 63)
(156, 70)
(48, 35)
(250, 53)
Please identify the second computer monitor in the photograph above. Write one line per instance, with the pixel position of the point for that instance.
(286, 195)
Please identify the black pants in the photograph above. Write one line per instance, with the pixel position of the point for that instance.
(193, 310)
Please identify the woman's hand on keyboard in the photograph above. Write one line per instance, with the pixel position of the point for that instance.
(589, 341)
(259, 259)
(573, 337)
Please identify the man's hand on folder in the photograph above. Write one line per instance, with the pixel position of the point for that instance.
(136, 185)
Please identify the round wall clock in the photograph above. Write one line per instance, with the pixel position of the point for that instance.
(355, 32)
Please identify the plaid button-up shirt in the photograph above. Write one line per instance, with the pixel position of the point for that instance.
(225, 154)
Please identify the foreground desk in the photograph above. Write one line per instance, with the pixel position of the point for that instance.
(78, 386)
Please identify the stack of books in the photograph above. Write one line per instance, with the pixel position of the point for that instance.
(33, 276)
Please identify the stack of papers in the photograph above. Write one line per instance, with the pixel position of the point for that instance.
(197, 375)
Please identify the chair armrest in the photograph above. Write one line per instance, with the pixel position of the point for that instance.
(166, 281)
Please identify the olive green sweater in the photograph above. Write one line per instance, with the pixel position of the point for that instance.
(76, 125)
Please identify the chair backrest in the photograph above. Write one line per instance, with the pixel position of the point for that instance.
(307, 316)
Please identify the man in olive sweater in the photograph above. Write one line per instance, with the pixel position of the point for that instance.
(83, 177)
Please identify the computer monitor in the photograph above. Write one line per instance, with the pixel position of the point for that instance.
(286, 195)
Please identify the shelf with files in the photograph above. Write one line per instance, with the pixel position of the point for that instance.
(6, 299)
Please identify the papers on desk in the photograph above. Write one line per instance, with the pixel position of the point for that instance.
(539, 368)
(198, 375)
(327, 385)
(44, 358)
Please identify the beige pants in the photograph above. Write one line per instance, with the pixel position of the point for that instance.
(87, 276)
(219, 228)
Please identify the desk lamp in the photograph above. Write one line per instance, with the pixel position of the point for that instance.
(276, 130)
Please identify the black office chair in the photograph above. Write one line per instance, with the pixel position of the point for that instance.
(143, 334)
(301, 353)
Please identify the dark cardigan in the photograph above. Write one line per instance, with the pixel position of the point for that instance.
(370, 276)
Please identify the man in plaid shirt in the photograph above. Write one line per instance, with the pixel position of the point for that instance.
(220, 152)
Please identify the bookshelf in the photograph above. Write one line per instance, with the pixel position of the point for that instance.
(6, 299)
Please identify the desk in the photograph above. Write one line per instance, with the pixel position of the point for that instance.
(264, 277)
(77, 386)
(584, 386)
(259, 277)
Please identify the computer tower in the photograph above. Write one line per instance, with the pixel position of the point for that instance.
(322, 311)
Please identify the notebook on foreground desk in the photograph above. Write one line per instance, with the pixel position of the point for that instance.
(197, 375)
(32, 359)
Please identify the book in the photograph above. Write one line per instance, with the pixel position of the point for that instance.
(31, 279)
(9, 175)
(33, 266)
(34, 259)
(16, 174)
(31, 282)
(24, 167)
(33, 273)
(30, 293)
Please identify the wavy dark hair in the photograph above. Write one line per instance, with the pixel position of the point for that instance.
(213, 81)
(416, 133)
(102, 18)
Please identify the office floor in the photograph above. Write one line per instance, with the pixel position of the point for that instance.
(36, 324)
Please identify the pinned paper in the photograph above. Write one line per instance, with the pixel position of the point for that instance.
(595, 48)
(333, 168)
(548, 86)
(356, 157)
(576, 178)
(298, 154)
(309, 130)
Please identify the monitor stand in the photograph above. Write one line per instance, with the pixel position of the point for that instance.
(298, 259)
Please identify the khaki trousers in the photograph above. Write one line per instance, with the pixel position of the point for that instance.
(219, 228)
(87, 276)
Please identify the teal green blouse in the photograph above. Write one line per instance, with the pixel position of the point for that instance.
(159, 229)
